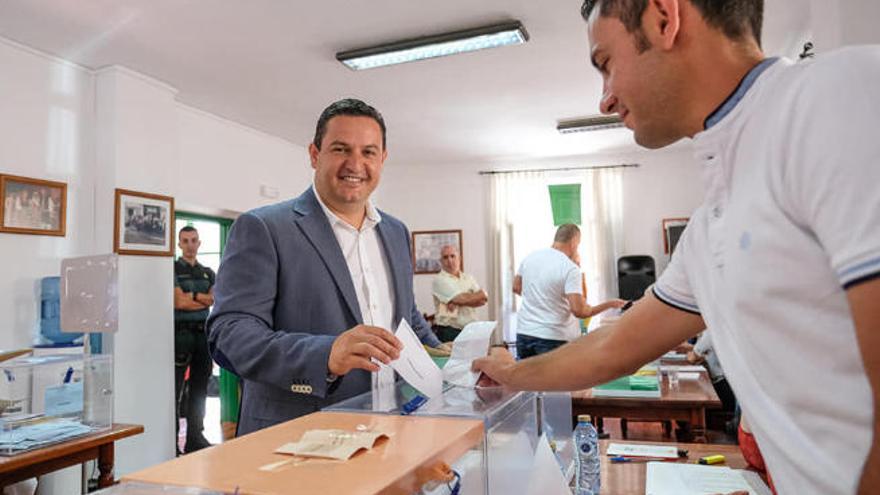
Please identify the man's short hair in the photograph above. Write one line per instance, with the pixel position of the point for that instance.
(566, 232)
(737, 19)
(351, 107)
(188, 228)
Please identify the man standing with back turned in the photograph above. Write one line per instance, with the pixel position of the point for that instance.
(309, 288)
(782, 261)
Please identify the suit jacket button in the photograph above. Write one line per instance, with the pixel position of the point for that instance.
(307, 389)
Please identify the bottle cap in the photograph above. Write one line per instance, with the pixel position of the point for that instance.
(584, 418)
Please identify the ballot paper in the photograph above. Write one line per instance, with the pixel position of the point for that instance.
(639, 450)
(546, 477)
(666, 478)
(331, 444)
(471, 343)
(415, 365)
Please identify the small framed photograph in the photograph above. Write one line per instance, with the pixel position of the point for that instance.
(672, 230)
(143, 224)
(426, 247)
(32, 206)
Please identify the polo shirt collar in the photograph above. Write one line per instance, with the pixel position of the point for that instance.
(733, 100)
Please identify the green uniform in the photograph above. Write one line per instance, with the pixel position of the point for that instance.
(191, 351)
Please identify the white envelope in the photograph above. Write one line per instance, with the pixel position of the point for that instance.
(471, 343)
(415, 365)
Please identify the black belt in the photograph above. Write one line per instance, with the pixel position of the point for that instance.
(197, 326)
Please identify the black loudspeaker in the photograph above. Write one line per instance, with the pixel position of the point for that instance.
(634, 275)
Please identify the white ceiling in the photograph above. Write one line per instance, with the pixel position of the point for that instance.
(270, 64)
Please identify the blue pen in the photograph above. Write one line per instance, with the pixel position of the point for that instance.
(68, 375)
(413, 404)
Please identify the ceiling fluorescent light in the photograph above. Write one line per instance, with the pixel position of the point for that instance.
(597, 123)
(439, 45)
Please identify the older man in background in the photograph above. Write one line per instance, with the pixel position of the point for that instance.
(456, 296)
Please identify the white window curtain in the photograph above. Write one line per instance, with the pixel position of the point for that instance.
(522, 221)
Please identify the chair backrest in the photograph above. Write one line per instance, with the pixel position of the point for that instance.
(634, 275)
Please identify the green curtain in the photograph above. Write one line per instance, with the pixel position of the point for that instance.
(565, 200)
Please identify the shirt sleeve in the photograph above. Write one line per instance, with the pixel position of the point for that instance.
(833, 161)
(444, 290)
(573, 283)
(674, 288)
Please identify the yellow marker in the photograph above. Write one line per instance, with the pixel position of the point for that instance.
(711, 459)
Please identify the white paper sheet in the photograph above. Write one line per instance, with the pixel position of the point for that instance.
(415, 365)
(634, 449)
(689, 375)
(546, 476)
(471, 343)
(666, 478)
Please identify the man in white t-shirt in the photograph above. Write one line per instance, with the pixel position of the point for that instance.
(551, 286)
(456, 296)
(782, 261)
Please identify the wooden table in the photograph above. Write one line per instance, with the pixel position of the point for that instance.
(399, 465)
(98, 445)
(687, 402)
(629, 478)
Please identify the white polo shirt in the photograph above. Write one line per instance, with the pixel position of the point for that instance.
(791, 217)
(446, 287)
(547, 276)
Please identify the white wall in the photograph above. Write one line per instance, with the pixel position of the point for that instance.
(223, 164)
(666, 185)
(440, 198)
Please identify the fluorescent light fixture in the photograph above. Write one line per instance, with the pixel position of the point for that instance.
(439, 45)
(597, 123)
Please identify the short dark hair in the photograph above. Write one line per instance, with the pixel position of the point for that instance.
(351, 107)
(737, 19)
(188, 228)
(566, 232)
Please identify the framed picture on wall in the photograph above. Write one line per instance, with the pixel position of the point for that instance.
(32, 206)
(672, 230)
(143, 224)
(426, 246)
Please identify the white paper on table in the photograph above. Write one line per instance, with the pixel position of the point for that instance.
(639, 450)
(666, 478)
(415, 365)
(470, 344)
(546, 475)
(696, 368)
(689, 375)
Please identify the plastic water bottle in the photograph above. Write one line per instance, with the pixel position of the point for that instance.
(588, 468)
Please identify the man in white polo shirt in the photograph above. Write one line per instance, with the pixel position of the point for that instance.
(782, 261)
(456, 296)
(551, 285)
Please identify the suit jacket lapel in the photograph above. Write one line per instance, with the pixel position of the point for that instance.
(393, 254)
(316, 227)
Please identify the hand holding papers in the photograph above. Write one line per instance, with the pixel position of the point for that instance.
(414, 364)
(471, 343)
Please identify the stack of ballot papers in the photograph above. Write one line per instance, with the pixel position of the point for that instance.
(665, 478)
(331, 444)
(40, 433)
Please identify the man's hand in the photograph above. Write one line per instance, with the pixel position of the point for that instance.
(617, 303)
(496, 366)
(354, 348)
(694, 358)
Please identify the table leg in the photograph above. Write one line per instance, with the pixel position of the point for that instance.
(698, 425)
(105, 465)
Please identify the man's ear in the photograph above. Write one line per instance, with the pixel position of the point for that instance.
(661, 22)
(313, 154)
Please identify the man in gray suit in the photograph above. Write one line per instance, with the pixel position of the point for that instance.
(309, 288)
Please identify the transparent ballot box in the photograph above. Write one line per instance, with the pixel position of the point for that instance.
(52, 398)
(503, 461)
(555, 413)
(137, 488)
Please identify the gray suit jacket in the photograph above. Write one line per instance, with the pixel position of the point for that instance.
(283, 294)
